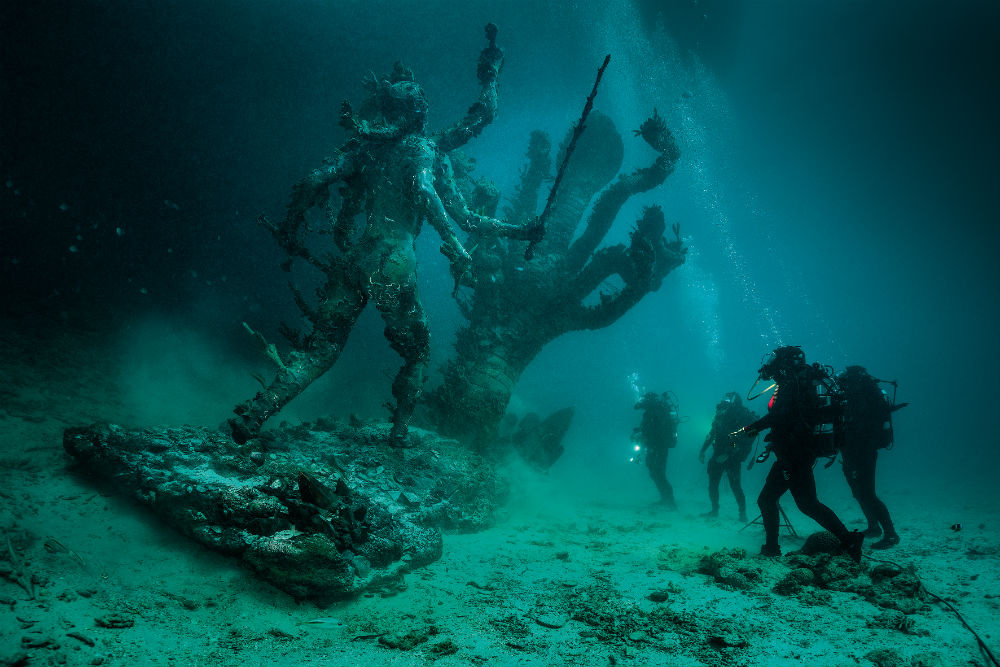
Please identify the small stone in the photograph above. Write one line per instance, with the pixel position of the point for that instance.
(551, 620)
(409, 499)
(562, 555)
(114, 621)
(658, 596)
(79, 636)
(403, 642)
(638, 636)
(19, 658)
(39, 641)
(446, 647)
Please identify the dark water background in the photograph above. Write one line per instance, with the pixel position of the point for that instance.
(837, 189)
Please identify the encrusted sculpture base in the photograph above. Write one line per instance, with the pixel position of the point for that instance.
(323, 511)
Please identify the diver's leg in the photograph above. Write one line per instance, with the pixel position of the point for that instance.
(656, 464)
(890, 537)
(774, 487)
(333, 322)
(667, 491)
(802, 484)
(733, 473)
(854, 473)
(714, 477)
(407, 332)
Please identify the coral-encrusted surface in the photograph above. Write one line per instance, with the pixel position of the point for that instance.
(322, 511)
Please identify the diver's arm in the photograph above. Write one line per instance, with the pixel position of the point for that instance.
(709, 439)
(762, 424)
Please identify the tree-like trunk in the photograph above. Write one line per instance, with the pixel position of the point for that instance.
(479, 381)
(517, 307)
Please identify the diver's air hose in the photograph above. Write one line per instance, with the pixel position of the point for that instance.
(979, 640)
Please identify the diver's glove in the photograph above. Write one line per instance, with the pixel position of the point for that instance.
(745, 432)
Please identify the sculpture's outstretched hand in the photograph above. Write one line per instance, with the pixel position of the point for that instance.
(490, 59)
(461, 264)
(533, 230)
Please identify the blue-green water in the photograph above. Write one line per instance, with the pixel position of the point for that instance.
(836, 190)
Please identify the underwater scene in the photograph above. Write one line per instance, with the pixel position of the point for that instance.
(384, 332)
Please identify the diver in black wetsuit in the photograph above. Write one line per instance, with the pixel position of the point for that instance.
(794, 414)
(866, 430)
(657, 434)
(727, 452)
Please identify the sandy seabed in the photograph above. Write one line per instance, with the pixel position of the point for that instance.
(93, 579)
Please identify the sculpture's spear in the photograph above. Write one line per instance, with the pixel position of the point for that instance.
(577, 131)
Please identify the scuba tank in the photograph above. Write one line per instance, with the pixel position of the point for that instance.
(828, 429)
(887, 436)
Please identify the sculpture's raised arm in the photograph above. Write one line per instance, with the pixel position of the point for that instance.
(468, 220)
(482, 112)
(311, 191)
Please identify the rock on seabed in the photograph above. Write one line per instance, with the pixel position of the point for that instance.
(323, 511)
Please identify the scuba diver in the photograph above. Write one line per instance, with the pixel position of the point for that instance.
(656, 434)
(727, 452)
(867, 429)
(798, 414)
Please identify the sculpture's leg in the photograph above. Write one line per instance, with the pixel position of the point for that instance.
(334, 320)
(407, 332)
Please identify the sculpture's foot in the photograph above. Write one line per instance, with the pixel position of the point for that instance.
(399, 436)
(251, 415)
(243, 429)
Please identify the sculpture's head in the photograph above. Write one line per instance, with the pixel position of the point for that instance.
(405, 105)
(397, 101)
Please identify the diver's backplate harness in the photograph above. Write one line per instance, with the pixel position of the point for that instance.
(824, 417)
(668, 400)
(893, 406)
(855, 377)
